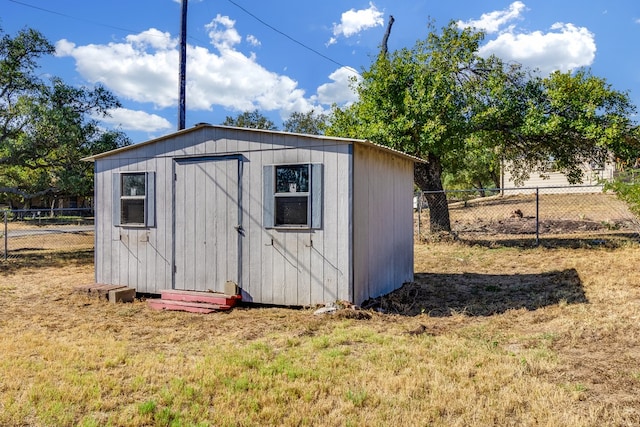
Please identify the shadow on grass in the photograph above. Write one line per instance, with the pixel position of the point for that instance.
(440, 295)
(34, 259)
(491, 201)
(610, 241)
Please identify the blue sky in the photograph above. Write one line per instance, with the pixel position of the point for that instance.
(283, 56)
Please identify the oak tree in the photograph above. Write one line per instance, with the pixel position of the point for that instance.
(309, 123)
(441, 101)
(46, 127)
(250, 119)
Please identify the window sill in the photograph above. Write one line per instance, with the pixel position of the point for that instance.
(291, 228)
(136, 226)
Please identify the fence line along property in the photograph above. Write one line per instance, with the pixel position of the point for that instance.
(27, 232)
(531, 215)
(526, 216)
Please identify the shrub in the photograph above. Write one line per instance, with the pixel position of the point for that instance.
(627, 190)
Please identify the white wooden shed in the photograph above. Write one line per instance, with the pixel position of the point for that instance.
(290, 219)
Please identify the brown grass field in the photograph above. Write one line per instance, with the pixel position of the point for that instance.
(485, 336)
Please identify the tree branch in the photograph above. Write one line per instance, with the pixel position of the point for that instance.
(26, 195)
(384, 48)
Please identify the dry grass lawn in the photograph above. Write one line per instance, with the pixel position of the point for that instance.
(488, 336)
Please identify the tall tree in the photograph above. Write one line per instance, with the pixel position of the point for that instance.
(250, 119)
(571, 119)
(419, 101)
(308, 123)
(47, 126)
(18, 80)
(442, 102)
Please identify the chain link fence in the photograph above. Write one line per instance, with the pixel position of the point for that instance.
(577, 215)
(28, 232)
(521, 216)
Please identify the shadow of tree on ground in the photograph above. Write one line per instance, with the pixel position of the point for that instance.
(609, 241)
(35, 259)
(440, 295)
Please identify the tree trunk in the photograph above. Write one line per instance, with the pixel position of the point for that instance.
(428, 178)
(495, 177)
(385, 40)
(480, 188)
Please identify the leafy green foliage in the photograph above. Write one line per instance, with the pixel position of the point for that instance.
(572, 119)
(308, 123)
(250, 119)
(627, 190)
(18, 80)
(464, 115)
(426, 101)
(46, 127)
(478, 168)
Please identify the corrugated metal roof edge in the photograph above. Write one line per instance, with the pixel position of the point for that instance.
(200, 125)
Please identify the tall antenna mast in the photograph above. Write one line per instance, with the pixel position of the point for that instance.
(183, 66)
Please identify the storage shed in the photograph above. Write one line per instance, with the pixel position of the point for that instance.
(289, 219)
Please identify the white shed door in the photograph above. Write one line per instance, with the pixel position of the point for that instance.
(206, 226)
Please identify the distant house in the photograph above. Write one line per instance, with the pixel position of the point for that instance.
(592, 179)
(289, 219)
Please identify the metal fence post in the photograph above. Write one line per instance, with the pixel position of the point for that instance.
(419, 206)
(537, 216)
(6, 236)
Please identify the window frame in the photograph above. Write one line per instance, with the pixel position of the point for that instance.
(119, 198)
(313, 196)
(279, 196)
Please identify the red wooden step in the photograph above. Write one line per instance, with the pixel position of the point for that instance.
(192, 307)
(202, 297)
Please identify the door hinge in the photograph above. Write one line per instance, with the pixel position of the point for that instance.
(175, 268)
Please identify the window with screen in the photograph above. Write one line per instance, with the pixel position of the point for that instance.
(293, 195)
(133, 199)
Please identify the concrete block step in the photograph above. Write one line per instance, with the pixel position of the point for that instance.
(97, 289)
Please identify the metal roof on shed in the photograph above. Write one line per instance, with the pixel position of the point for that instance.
(202, 125)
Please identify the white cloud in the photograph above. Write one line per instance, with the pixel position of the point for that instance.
(492, 21)
(564, 47)
(64, 48)
(128, 69)
(222, 33)
(340, 90)
(354, 21)
(144, 68)
(253, 40)
(135, 120)
(154, 39)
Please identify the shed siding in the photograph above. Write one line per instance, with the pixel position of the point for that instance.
(382, 224)
(277, 266)
(133, 256)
